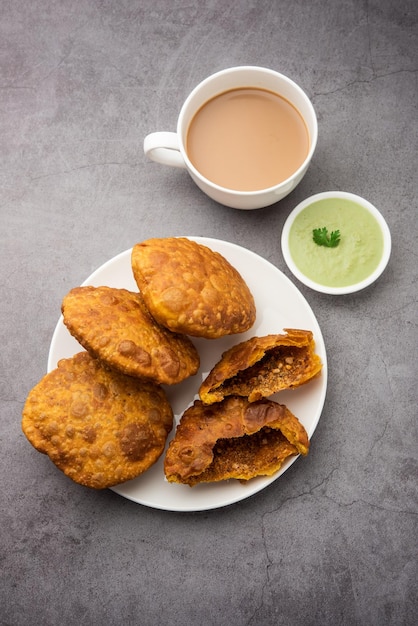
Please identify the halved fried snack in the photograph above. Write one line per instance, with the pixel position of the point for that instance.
(99, 427)
(261, 366)
(233, 439)
(115, 326)
(192, 289)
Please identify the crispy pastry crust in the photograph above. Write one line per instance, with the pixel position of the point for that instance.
(261, 366)
(233, 439)
(191, 289)
(115, 326)
(99, 427)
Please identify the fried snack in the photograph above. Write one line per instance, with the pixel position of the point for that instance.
(261, 366)
(115, 326)
(191, 289)
(98, 426)
(233, 439)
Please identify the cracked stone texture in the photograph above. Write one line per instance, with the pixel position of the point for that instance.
(334, 540)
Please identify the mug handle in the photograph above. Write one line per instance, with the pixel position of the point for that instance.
(163, 147)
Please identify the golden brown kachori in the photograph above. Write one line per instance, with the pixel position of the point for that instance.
(234, 438)
(261, 366)
(116, 326)
(192, 289)
(98, 426)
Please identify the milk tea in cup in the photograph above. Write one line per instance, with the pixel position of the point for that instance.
(246, 135)
(247, 139)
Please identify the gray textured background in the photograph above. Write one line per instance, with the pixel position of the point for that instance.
(82, 82)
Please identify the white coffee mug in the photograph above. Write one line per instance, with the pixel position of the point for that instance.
(169, 148)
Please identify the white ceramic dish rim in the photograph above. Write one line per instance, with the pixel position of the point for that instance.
(387, 243)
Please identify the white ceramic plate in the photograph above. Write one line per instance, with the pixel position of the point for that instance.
(279, 305)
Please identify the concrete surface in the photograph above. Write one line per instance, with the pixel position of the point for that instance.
(333, 541)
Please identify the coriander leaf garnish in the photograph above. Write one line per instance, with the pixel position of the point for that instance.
(321, 237)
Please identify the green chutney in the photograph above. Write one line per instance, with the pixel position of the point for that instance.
(357, 255)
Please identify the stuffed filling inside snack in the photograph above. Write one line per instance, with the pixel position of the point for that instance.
(233, 439)
(261, 366)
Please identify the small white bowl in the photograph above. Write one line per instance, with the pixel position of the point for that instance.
(317, 286)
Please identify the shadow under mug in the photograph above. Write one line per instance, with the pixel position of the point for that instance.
(169, 148)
